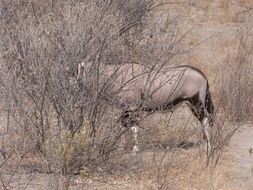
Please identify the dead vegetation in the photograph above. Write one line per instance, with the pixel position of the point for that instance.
(236, 88)
(49, 115)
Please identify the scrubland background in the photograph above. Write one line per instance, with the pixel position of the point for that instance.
(49, 115)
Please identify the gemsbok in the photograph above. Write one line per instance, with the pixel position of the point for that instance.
(135, 88)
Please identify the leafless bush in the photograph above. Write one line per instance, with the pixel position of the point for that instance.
(236, 79)
(43, 44)
(234, 105)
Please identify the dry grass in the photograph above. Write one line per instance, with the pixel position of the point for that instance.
(164, 162)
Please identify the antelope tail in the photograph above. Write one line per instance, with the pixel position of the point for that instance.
(209, 105)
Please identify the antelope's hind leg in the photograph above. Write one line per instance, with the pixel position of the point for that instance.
(205, 127)
(198, 109)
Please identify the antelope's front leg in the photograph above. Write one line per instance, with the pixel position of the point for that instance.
(135, 137)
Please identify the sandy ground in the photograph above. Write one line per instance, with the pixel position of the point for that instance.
(240, 172)
(234, 172)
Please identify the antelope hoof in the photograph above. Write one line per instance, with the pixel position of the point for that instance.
(135, 149)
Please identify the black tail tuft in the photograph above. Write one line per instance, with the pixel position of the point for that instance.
(209, 105)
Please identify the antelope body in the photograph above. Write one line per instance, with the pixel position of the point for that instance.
(135, 89)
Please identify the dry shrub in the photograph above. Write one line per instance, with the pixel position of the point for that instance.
(236, 82)
(68, 153)
(234, 104)
(43, 44)
(41, 92)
